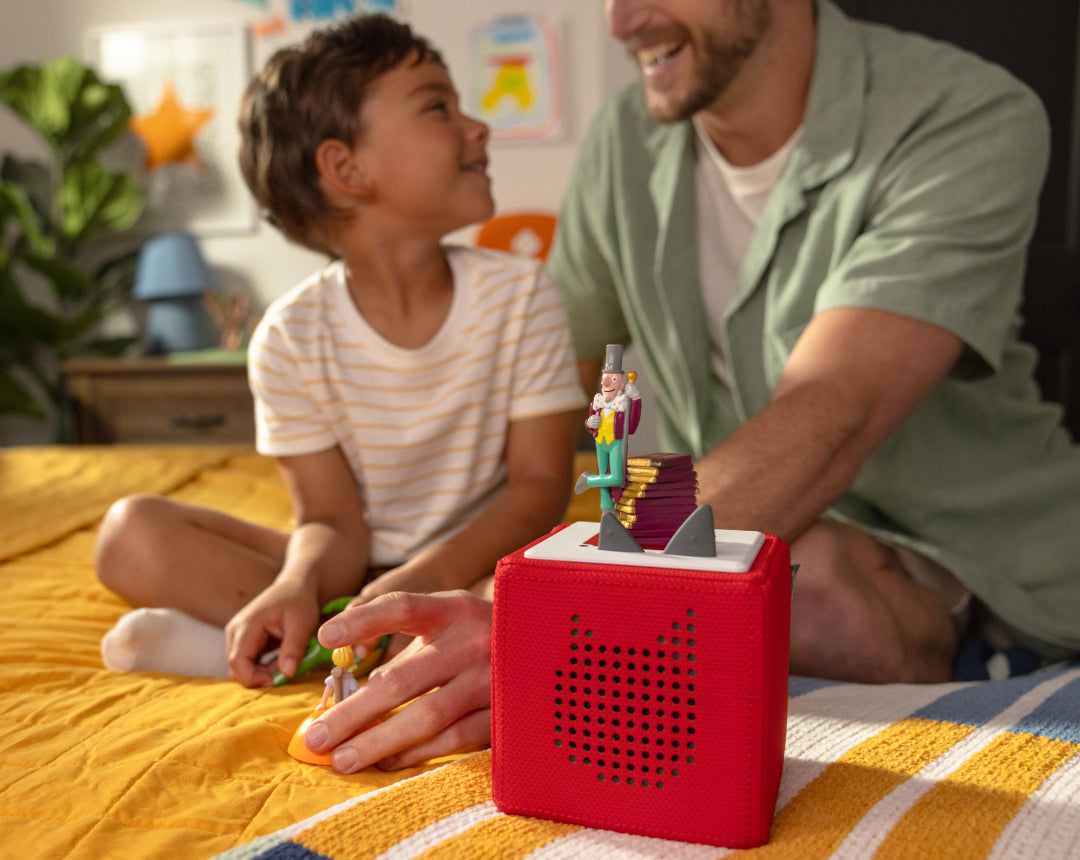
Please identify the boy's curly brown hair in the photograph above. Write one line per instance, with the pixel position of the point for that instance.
(307, 94)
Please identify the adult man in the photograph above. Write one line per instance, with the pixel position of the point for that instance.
(613, 416)
(872, 321)
(814, 231)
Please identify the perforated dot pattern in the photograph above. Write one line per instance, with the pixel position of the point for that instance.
(629, 712)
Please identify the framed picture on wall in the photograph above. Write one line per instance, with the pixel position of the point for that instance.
(184, 82)
(516, 80)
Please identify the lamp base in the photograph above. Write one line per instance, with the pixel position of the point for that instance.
(179, 324)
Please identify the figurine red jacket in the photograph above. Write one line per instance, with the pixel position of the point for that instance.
(631, 411)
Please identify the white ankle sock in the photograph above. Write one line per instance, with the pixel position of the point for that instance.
(165, 640)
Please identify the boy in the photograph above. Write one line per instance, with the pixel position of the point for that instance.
(421, 398)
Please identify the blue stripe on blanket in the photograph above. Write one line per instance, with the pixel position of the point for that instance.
(1056, 717)
(799, 686)
(291, 851)
(976, 703)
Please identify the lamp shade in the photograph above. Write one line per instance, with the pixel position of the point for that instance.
(171, 265)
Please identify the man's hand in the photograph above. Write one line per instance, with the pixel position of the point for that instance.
(442, 677)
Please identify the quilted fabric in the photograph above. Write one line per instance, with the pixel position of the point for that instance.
(98, 764)
(976, 770)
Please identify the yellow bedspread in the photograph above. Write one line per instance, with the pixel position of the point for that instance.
(99, 764)
(95, 764)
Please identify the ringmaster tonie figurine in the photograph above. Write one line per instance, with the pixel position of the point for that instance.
(613, 416)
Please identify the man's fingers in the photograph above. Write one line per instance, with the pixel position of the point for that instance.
(443, 674)
(400, 612)
(405, 678)
(472, 732)
(417, 725)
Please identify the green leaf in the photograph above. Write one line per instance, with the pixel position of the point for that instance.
(37, 94)
(99, 116)
(116, 277)
(74, 329)
(15, 399)
(70, 283)
(35, 179)
(15, 203)
(93, 198)
(67, 105)
(26, 321)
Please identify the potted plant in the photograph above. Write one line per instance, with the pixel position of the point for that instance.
(62, 269)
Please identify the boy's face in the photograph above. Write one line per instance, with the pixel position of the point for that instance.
(688, 51)
(425, 160)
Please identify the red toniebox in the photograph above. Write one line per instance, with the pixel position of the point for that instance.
(642, 692)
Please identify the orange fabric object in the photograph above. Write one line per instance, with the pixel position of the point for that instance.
(526, 233)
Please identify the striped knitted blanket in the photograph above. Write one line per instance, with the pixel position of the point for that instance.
(976, 770)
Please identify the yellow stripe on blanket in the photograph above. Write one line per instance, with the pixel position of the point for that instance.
(390, 817)
(948, 822)
(821, 816)
(500, 837)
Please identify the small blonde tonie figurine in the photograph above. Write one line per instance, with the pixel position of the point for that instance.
(341, 682)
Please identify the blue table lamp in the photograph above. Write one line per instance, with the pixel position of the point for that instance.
(172, 277)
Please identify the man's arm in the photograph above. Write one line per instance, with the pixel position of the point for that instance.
(854, 376)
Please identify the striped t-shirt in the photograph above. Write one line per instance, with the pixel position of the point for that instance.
(424, 430)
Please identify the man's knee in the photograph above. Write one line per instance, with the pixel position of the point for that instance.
(834, 632)
(858, 616)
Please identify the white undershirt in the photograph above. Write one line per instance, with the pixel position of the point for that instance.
(730, 201)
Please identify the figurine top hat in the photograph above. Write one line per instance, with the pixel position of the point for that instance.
(613, 358)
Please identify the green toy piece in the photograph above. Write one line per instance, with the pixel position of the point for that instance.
(317, 654)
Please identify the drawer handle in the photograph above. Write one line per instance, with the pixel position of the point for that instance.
(197, 422)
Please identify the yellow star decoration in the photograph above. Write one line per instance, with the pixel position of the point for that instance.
(169, 131)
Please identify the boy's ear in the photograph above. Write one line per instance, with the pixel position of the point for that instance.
(339, 168)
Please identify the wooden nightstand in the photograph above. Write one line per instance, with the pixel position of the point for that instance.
(154, 400)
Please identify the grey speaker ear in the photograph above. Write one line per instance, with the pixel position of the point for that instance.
(615, 537)
(695, 536)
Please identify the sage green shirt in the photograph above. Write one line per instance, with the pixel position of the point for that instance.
(913, 189)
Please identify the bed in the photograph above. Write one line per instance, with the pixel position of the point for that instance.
(95, 764)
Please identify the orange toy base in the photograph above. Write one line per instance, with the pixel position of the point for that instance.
(299, 750)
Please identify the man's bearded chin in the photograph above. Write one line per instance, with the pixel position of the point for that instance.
(718, 65)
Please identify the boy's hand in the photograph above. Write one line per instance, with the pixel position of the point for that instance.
(444, 675)
(286, 612)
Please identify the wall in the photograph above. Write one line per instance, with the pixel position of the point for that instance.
(531, 175)
(524, 175)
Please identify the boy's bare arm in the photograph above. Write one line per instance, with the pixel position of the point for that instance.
(330, 546)
(326, 557)
(539, 455)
